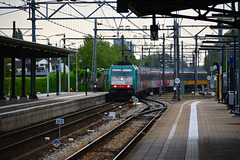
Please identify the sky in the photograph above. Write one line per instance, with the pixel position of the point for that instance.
(80, 28)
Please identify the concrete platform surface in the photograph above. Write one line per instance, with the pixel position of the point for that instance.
(192, 130)
(12, 105)
(15, 114)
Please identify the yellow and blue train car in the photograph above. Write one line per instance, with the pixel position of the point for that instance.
(189, 80)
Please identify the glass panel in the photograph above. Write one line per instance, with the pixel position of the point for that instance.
(127, 72)
(121, 72)
(116, 72)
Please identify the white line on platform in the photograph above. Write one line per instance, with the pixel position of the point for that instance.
(22, 104)
(171, 134)
(193, 136)
(30, 108)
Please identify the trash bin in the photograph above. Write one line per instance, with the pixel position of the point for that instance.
(231, 98)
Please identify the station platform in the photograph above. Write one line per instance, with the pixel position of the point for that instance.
(15, 114)
(192, 130)
(51, 96)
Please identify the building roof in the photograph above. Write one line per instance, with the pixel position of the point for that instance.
(206, 10)
(18, 48)
(163, 7)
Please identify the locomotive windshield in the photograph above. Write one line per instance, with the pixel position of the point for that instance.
(121, 72)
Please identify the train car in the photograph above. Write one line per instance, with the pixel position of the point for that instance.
(126, 80)
(169, 80)
(149, 80)
(189, 81)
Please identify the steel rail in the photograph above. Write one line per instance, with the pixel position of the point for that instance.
(83, 150)
(124, 151)
(90, 145)
(52, 130)
(44, 123)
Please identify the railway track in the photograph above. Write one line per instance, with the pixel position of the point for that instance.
(25, 141)
(116, 143)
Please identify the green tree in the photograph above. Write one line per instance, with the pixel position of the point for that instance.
(7, 68)
(107, 54)
(18, 35)
(85, 51)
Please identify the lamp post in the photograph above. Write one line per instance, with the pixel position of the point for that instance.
(59, 70)
(9, 65)
(95, 51)
(76, 75)
(48, 77)
(80, 61)
(87, 70)
(57, 74)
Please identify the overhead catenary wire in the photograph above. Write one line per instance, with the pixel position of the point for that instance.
(142, 33)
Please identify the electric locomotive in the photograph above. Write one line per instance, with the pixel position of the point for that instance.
(121, 81)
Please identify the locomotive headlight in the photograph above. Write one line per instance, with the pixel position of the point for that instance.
(115, 86)
(121, 78)
(128, 86)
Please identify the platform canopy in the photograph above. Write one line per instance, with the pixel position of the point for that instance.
(169, 8)
(17, 48)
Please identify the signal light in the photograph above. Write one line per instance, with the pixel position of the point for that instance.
(130, 104)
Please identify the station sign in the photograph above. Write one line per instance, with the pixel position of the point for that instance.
(208, 78)
(135, 100)
(177, 80)
(112, 115)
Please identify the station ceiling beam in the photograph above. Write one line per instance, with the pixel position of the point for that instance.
(219, 36)
(204, 9)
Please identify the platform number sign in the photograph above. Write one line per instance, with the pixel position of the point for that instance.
(59, 121)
